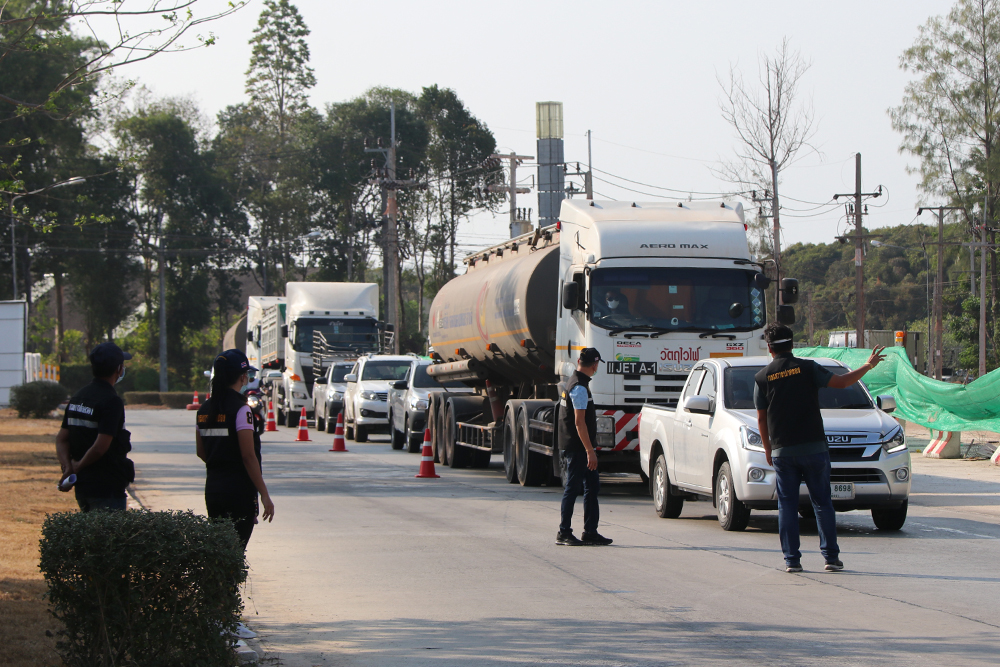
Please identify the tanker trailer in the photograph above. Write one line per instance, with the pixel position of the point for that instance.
(684, 287)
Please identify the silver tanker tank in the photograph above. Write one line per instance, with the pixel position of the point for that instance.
(498, 320)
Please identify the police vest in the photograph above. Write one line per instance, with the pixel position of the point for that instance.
(95, 405)
(793, 414)
(569, 439)
(227, 473)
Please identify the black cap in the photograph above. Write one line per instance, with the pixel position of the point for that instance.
(108, 354)
(236, 363)
(589, 355)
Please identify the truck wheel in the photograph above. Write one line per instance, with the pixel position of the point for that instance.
(414, 441)
(360, 434)
(441, 438)
(458, 456)
(432, 423)
(733, 514)
(890, 519)
(394, 435)
(531, 466)
(479, 458)
(510, 447)
(668, 505)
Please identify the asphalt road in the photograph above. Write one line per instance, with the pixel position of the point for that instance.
(364, 565)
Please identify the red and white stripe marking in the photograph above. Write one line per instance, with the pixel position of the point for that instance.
(624, 423)
(943, 445)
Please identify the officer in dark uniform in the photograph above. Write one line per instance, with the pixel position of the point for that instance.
(786, 395)
(93, 444)
(577, 433)
(227, 441)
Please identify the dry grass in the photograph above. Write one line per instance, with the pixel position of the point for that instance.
(29, 472)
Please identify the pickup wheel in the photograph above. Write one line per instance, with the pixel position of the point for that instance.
(510, 447)
(320, 421)
(890, 519)
(331, 424)
(360, 434)
(733, 514)
(396, 436)
(668, 505)
(414, 441)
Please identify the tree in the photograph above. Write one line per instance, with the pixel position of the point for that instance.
(771, 124)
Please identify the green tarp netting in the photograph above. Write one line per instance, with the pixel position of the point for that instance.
(923, 400)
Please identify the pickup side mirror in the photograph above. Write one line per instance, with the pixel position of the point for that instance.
(208, 374)
(786, 314)
(698, 404)
(284, 331)
(789, 290)
(886, 403)
(321, 379)
(351, 377)
(400, 385)
(571, 295)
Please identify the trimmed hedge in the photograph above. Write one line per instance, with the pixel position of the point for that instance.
(178, 400)
(143, 589)
(37, 399)
(142, 398)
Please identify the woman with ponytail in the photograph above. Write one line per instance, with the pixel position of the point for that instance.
(228, 443)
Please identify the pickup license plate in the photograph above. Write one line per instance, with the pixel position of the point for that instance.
(842, 490)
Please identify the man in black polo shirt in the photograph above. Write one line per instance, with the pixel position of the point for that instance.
(786, 395)
(93, 443)
(577, 433)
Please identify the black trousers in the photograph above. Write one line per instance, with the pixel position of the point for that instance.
(242, 510)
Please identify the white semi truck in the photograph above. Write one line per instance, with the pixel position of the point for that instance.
(655, 287)
(342, 316)
(256, 307)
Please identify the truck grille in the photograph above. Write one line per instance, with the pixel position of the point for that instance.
(858, 475)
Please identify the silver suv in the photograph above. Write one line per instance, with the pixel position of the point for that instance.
(366, 401)
(408, 404)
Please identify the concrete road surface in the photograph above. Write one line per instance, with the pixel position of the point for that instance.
(365, 565)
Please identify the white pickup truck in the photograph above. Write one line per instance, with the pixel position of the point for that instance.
(709, 446)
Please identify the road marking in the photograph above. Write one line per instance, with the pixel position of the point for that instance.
(955, 530)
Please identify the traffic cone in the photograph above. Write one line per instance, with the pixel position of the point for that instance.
(271, 424)
(303, 435)
(427, 458)
(338, 435)
(194, 405)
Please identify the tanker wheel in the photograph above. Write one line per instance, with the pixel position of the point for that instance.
(479, 458)
(457, 455)
(557, 471)
(441, 436)
(531, 466)
(510, 447)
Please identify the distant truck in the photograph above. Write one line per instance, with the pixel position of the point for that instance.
(256, 306)
(655, 287)
(343, 317)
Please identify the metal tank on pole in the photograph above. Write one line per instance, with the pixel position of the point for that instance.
(551, 167)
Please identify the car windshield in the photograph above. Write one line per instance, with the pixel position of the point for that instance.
(339, 335)
(739, 391)
(424, 381)
(338, 373)
(675, 298)
(386, 370)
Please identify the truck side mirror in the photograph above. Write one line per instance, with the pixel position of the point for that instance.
(735, 310)
(284, 331)
(886, 403)
(761, 282)
(250, 336)
(789, 290)
(351, 377)
(786, 315)
(571, 295)
(389, 328)
(698, 404)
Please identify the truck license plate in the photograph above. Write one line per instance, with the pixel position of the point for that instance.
(842, 490)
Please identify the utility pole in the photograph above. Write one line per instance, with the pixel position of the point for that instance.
(859, 249)
(939, 287)
(163, 318)
(589, 179)
(518, 225)
(982, 300)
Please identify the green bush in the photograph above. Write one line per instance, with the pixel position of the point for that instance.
(142, 398)
(178, 400)
(37, 399)
(143, 589)
(145, 379)
(75, 376)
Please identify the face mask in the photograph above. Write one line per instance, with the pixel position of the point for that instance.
(245, 386)
(612, 304)
(121, 377)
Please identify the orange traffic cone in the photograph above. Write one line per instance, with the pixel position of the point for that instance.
(338, 435)
(303, 435)
(194, 405)
(271, 424)
(427, 458)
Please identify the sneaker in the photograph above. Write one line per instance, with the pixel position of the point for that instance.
(793, 567)
(834, 565)
(596, 540)
(566, 538)
(243, 632)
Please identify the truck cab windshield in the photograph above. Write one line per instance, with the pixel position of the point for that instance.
(675, 298)
(345, 335)
(739, 391)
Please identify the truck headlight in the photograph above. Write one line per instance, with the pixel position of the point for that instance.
(337, 396)
(895, 443)
(369, 395)
(301, 395)
(605, 424)
(751, 439)
(417, 404)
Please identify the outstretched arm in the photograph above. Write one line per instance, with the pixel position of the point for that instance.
(847, 379)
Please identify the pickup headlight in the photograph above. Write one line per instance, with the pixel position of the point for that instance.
(369, 395)
(337, 395)
(301, 395)
(895, 443)
(417, 403)
(751, 439)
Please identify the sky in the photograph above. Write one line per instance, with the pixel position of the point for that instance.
(643, 77)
